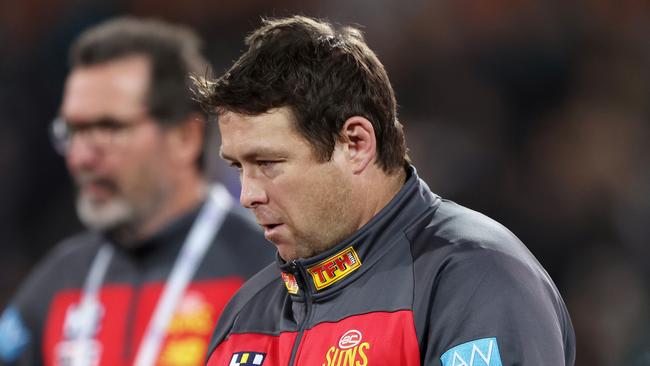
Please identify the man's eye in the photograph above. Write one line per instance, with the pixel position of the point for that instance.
(235, 166)
(266, 163)
(109, 126)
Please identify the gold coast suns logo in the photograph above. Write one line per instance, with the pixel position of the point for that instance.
(350, 351)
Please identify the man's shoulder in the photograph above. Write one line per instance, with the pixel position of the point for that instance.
(256, 287)
(255, 306)
(454, 227)
(81, 246)
(472, 270)
(60, 267)
(255, 292)
(455, 234)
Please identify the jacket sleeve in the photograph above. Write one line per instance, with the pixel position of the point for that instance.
(491, 309)
(22, 322)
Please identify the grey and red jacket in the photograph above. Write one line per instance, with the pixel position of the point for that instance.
(35, 327)
(425, 282)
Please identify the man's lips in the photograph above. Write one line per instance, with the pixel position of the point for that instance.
(270, 229)
(97, 188)
(96, 191)
(268, 220)
(270, 226)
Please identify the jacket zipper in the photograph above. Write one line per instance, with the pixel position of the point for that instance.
(308, 305)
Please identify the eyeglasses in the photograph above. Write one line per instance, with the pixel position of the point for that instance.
(103, 134)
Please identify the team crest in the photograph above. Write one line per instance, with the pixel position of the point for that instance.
(247, 359)
(334, 268)
(350, 350)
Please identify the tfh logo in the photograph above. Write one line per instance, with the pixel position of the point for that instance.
(334, 268)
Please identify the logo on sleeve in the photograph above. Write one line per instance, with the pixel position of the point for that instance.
(14, 336)
(351, 351)
(290, 282)
(481, 352)
(247, 359)
(334, 268)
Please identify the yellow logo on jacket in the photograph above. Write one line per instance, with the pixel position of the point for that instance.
(334, 268)
(350, 351)
(188, 332)
(290, 282)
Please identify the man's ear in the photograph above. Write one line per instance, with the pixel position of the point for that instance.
(186, 140)
(358, 136)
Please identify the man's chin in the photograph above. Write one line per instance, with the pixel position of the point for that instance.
(287, 252)
(290, 251)
(103, 215)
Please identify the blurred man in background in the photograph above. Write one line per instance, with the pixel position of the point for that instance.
(377, 269)
(164, 250)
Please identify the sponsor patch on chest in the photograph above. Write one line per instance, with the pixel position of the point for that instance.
(335, 268)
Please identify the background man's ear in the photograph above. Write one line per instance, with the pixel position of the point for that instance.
(358, 135)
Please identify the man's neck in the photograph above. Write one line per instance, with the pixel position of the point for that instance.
(379, 189)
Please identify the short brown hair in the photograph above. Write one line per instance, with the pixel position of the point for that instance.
(324, 75)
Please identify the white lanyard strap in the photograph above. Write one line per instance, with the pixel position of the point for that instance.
(89, 309)
(97, 272)
(198, 241)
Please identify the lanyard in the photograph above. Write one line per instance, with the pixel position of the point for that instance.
(196, 245)
(90, 309)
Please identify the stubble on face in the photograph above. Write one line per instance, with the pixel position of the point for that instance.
(329, 212)
(104, 216)
(312, 199)
(133, 197)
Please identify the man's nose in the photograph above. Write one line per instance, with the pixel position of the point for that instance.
(252, 192)
(81, 155)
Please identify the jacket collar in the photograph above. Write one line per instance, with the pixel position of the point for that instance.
(165, 243)
(322, 275)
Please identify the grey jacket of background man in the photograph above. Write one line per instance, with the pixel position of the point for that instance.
(41, 322)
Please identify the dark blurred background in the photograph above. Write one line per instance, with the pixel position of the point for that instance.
(536, 113)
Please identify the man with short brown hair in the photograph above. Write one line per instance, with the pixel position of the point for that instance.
(377, 269)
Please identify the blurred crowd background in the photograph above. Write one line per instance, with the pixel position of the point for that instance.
(536, 113)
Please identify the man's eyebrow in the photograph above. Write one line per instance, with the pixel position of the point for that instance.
(253, 154)
(101, 120)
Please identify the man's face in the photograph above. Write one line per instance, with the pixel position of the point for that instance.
(118, 159)
(305, 206)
